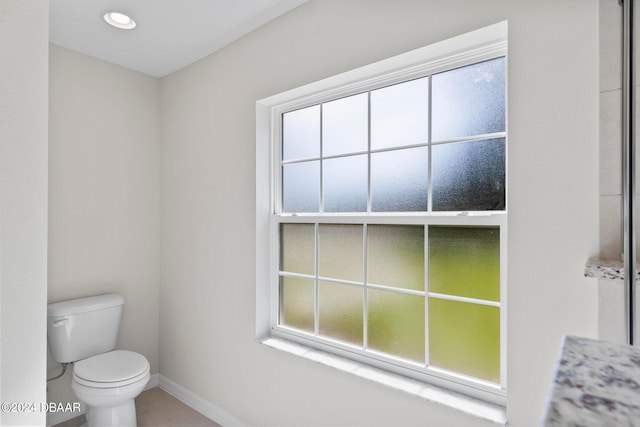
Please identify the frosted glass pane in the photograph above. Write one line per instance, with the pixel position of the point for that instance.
(396, 324)
(297, 298)
(301, 133)
(396, 256)
(340, 312)
(340, 251)
(297, 248)
(301, 187)
(345, 184)
(469, 100)
(465, 338)
(400, 114)
(465, 261)
(399, 180)
(469, 176)
(345, 124)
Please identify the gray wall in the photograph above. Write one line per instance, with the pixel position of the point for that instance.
(107, 198)
(208, 203)
(104, 195)
(23, 206)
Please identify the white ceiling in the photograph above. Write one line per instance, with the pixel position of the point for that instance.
(170, 33)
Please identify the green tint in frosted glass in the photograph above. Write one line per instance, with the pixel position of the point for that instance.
(301, 187)
(345, 125)
(465, 261)
(400, 114)
(340, 251)
(340, 312)
(465, 338)
(297, 298)
(396, 256)
(297, 248)
(396, 324)
(301, 133)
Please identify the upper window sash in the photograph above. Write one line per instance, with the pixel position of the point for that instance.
(486, 52)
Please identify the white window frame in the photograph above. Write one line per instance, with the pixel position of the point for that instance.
(477, 46)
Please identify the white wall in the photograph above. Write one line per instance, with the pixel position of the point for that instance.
(553, 189)
(104, 195)
(23, 205)
(207, 299)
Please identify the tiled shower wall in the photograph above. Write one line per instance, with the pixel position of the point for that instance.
(611, 292)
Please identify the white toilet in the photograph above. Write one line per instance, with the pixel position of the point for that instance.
(84, 331)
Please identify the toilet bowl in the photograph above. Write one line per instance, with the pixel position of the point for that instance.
(84, 332)
(108, 384)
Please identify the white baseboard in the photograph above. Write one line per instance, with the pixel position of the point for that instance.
(199, 404)
(189, 398)
(153, 382)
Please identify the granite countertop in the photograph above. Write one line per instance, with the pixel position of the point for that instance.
(606, 269)
(596, 383)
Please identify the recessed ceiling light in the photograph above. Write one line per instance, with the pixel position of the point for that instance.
(119, 20)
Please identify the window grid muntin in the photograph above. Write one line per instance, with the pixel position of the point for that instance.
(369, 152)
(473, 138)
(316, 291)
(386, 288)
(427, 347)
(321, 161)
(429, 179)
(435, 375)
(365, 287)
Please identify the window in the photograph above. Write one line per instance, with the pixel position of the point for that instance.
(387, 219)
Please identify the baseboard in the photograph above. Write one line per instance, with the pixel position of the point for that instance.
(199, 404)
(191, 399)
(154, 379)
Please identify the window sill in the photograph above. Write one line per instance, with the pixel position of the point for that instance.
(477, 408)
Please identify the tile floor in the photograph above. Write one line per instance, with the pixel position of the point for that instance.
(157, 408)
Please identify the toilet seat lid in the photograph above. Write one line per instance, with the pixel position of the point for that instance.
(111, 367)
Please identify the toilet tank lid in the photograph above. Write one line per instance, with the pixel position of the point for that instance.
(83, 305)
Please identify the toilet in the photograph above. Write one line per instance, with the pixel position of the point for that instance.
(84, 331)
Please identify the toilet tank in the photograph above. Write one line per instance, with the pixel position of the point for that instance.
(83, 327)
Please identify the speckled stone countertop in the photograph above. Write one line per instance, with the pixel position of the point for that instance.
(597, 383)
(606, 269)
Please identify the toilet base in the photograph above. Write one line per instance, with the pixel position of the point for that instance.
(123, 415)
(109, 406)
